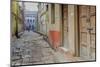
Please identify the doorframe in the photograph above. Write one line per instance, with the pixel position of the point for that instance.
(62, 26)
(77, 29)
(76, 33)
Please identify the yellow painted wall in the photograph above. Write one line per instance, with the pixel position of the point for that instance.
(13, 25)
(14, 6)
(15, 17)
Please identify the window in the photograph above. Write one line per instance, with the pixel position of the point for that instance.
(47, 7)
(30, 20)
(33, 21)
(52, 14)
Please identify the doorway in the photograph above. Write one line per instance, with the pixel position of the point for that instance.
(64, 26)
(87, 33)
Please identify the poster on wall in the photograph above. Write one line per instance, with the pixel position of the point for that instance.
(52, 33)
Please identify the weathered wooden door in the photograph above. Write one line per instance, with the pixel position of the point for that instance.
(87, 23)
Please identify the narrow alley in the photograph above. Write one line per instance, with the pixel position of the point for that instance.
(44, 33)
(33, 49)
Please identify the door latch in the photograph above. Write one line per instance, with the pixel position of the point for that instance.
(89, 29)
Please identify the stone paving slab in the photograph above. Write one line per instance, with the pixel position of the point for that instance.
(36, 50)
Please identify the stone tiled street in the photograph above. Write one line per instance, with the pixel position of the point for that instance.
(44, 33)
(34, 50)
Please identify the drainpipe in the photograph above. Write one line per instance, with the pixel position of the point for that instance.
(16, 18)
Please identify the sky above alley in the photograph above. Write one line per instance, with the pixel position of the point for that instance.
(30, 6)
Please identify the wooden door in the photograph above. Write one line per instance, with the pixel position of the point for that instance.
(87, 32)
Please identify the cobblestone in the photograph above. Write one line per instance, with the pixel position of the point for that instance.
(35, 50)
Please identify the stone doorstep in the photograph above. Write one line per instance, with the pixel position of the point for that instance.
(69, 56)
(63, 50)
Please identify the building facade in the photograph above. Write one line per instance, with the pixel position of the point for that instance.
(30, 19)
(42, 18)
(71, 27)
